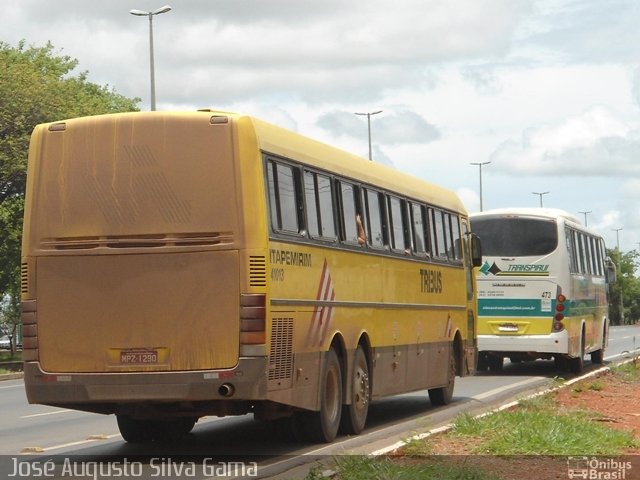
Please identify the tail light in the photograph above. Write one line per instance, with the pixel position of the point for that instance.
(29, 321)
(252, 319)
(558, 326)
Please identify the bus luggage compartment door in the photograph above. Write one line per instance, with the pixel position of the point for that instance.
(138, 312)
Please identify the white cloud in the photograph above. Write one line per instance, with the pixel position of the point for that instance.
(548, 90)
(470, 199)
(593, 143)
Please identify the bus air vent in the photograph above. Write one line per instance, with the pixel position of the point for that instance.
(191, 239)
(281, 353)
(257, 271)
(24, 279)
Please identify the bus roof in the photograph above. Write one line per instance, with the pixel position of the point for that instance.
(288, 144)
(279, 141)
(529, 212)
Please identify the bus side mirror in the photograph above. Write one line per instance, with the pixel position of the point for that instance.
(610, 271)
(476, 251)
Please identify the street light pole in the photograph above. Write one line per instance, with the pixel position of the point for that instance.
(541, 194)
(585, 217)
(480, 164)
(617, 230)
(142, 13)
(369, 127)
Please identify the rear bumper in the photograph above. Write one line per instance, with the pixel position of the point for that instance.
(553, 343)
(248, 380)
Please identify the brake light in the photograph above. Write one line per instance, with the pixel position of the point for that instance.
(558, 326)
(29, 320)
(252, 319)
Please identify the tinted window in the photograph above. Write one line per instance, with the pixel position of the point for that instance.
(282, 197)
(514, 237)
(288, 204)
(397, 224)
(375, 234)
(457, 243)
(319, 199)
(440, 249)
(347, 193)
(420, 239)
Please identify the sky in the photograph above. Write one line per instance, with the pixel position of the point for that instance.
(547, 91)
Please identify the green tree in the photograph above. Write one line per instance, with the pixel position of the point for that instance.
(37, 85)
(627, 285)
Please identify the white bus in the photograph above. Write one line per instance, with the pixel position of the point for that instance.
(542, 288)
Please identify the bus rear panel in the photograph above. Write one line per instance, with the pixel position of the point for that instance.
(541, 288)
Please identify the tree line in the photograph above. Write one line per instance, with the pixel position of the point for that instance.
(37, 85)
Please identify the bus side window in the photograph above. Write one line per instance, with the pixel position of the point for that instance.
(397, 221)
(349, 214)
(440, 249)
(284, 201)
(319, 203)
(457, 241)
(419, 238)
(375, 219)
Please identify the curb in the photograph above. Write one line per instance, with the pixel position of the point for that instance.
(444, 428)
(11, 376)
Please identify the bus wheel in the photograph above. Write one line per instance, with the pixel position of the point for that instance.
(560, 362)
(495, 363)
(483, 362)
(577, 364)
(598, 355)
(322, 426)
(443, 395)
(354, 416)
(172, 429)
(134, 430)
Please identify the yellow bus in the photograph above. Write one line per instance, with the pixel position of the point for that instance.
(177, 265)
(543, 288)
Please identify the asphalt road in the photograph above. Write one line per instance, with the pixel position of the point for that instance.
(31, 432)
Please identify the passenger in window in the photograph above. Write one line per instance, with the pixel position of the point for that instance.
(362, 238)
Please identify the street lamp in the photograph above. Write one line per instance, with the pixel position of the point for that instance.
(585, 217)
(369, 126)
(541, 194)
(141, 13)
(617, 230)
(480, 164)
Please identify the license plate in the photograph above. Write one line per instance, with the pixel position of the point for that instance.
(138, 356)
(508, 327)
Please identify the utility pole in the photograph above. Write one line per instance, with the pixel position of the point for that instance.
(480, 164)
(368, 115)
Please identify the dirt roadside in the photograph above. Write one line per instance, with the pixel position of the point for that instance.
(613, 399)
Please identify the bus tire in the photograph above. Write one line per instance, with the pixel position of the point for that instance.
(322, 426)
(354, 415)
(560, 363)
(483, 362)
(173, 428)
(496, 362)
(443, 395)
(598, 356)
(134, 430)
(576, 364)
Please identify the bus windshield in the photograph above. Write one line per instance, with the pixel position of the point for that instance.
(517, 237)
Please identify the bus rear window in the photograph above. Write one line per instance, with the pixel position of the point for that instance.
(515, 236)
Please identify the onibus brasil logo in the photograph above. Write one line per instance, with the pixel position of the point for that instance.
(598, 468)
